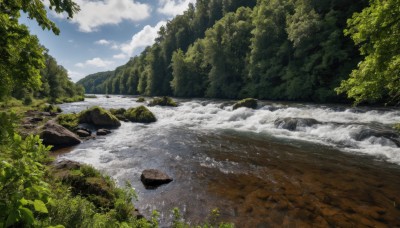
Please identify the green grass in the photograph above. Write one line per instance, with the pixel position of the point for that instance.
(69, 99)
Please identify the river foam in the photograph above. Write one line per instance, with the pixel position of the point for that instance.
(337, 126)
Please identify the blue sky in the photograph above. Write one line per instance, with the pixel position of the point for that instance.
(105, 33)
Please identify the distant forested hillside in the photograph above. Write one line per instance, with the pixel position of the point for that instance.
(267, 49)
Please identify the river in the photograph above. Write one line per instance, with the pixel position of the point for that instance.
(256, 173)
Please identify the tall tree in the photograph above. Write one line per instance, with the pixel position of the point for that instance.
(376, 30)
(21, 56)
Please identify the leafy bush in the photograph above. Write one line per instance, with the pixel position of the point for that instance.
(50, 108)
(163, 101)
(69, 99)
(24, 195)
(69, 121)
(28, 100)
(140, 114)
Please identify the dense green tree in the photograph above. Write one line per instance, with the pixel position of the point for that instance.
(21, 56)
(273, 49)
(226, 46)
(376, 30)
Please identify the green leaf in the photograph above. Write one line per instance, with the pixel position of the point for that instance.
(27, 215)
(40, 206)
(12, 218)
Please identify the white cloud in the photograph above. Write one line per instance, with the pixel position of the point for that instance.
(103, 42)
(173, 7)
(75, 76)
(143, 38)
(95, 62)
(120, 56)
(94, 14)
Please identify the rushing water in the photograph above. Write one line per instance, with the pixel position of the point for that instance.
(256, 173)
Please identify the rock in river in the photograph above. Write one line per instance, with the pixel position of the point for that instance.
(103, 132)
(248, 103)
(378, 133)
(57, 135)
(291, 124)
(99, 117)
(152, 178)
(82, 133)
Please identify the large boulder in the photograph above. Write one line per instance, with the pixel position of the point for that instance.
(152, 178)
(119, 113)
(58, 136)
(99, 117)
(292, 124)
(140, 114)
(378, 133)
(247, 103)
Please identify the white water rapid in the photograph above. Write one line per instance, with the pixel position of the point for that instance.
(337, 126)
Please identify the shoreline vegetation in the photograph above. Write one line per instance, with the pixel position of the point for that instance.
(65, 193)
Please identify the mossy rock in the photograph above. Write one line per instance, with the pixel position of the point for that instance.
(140, 114)
(99, 117)
(86, 181)
(397, 127)
(119, 113)
(163, 101)
(69, 121)
(248, 103)
(141, 99)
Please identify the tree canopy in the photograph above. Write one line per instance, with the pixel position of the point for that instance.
(376, 30)
(267, 49)
(21, 55)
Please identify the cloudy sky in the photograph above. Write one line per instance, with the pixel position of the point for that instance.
(105, 33)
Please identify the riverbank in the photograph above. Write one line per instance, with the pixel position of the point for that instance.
(77, 189)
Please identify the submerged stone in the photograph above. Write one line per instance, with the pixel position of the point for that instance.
(248, 103)
(292, 124)
(141, 99)
(152, 178)
(163, 101)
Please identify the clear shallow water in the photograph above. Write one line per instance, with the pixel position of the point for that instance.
(257, 174)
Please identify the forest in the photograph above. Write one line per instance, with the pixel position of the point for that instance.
(299, 50)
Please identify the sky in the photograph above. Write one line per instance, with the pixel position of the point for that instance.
(105, 34)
